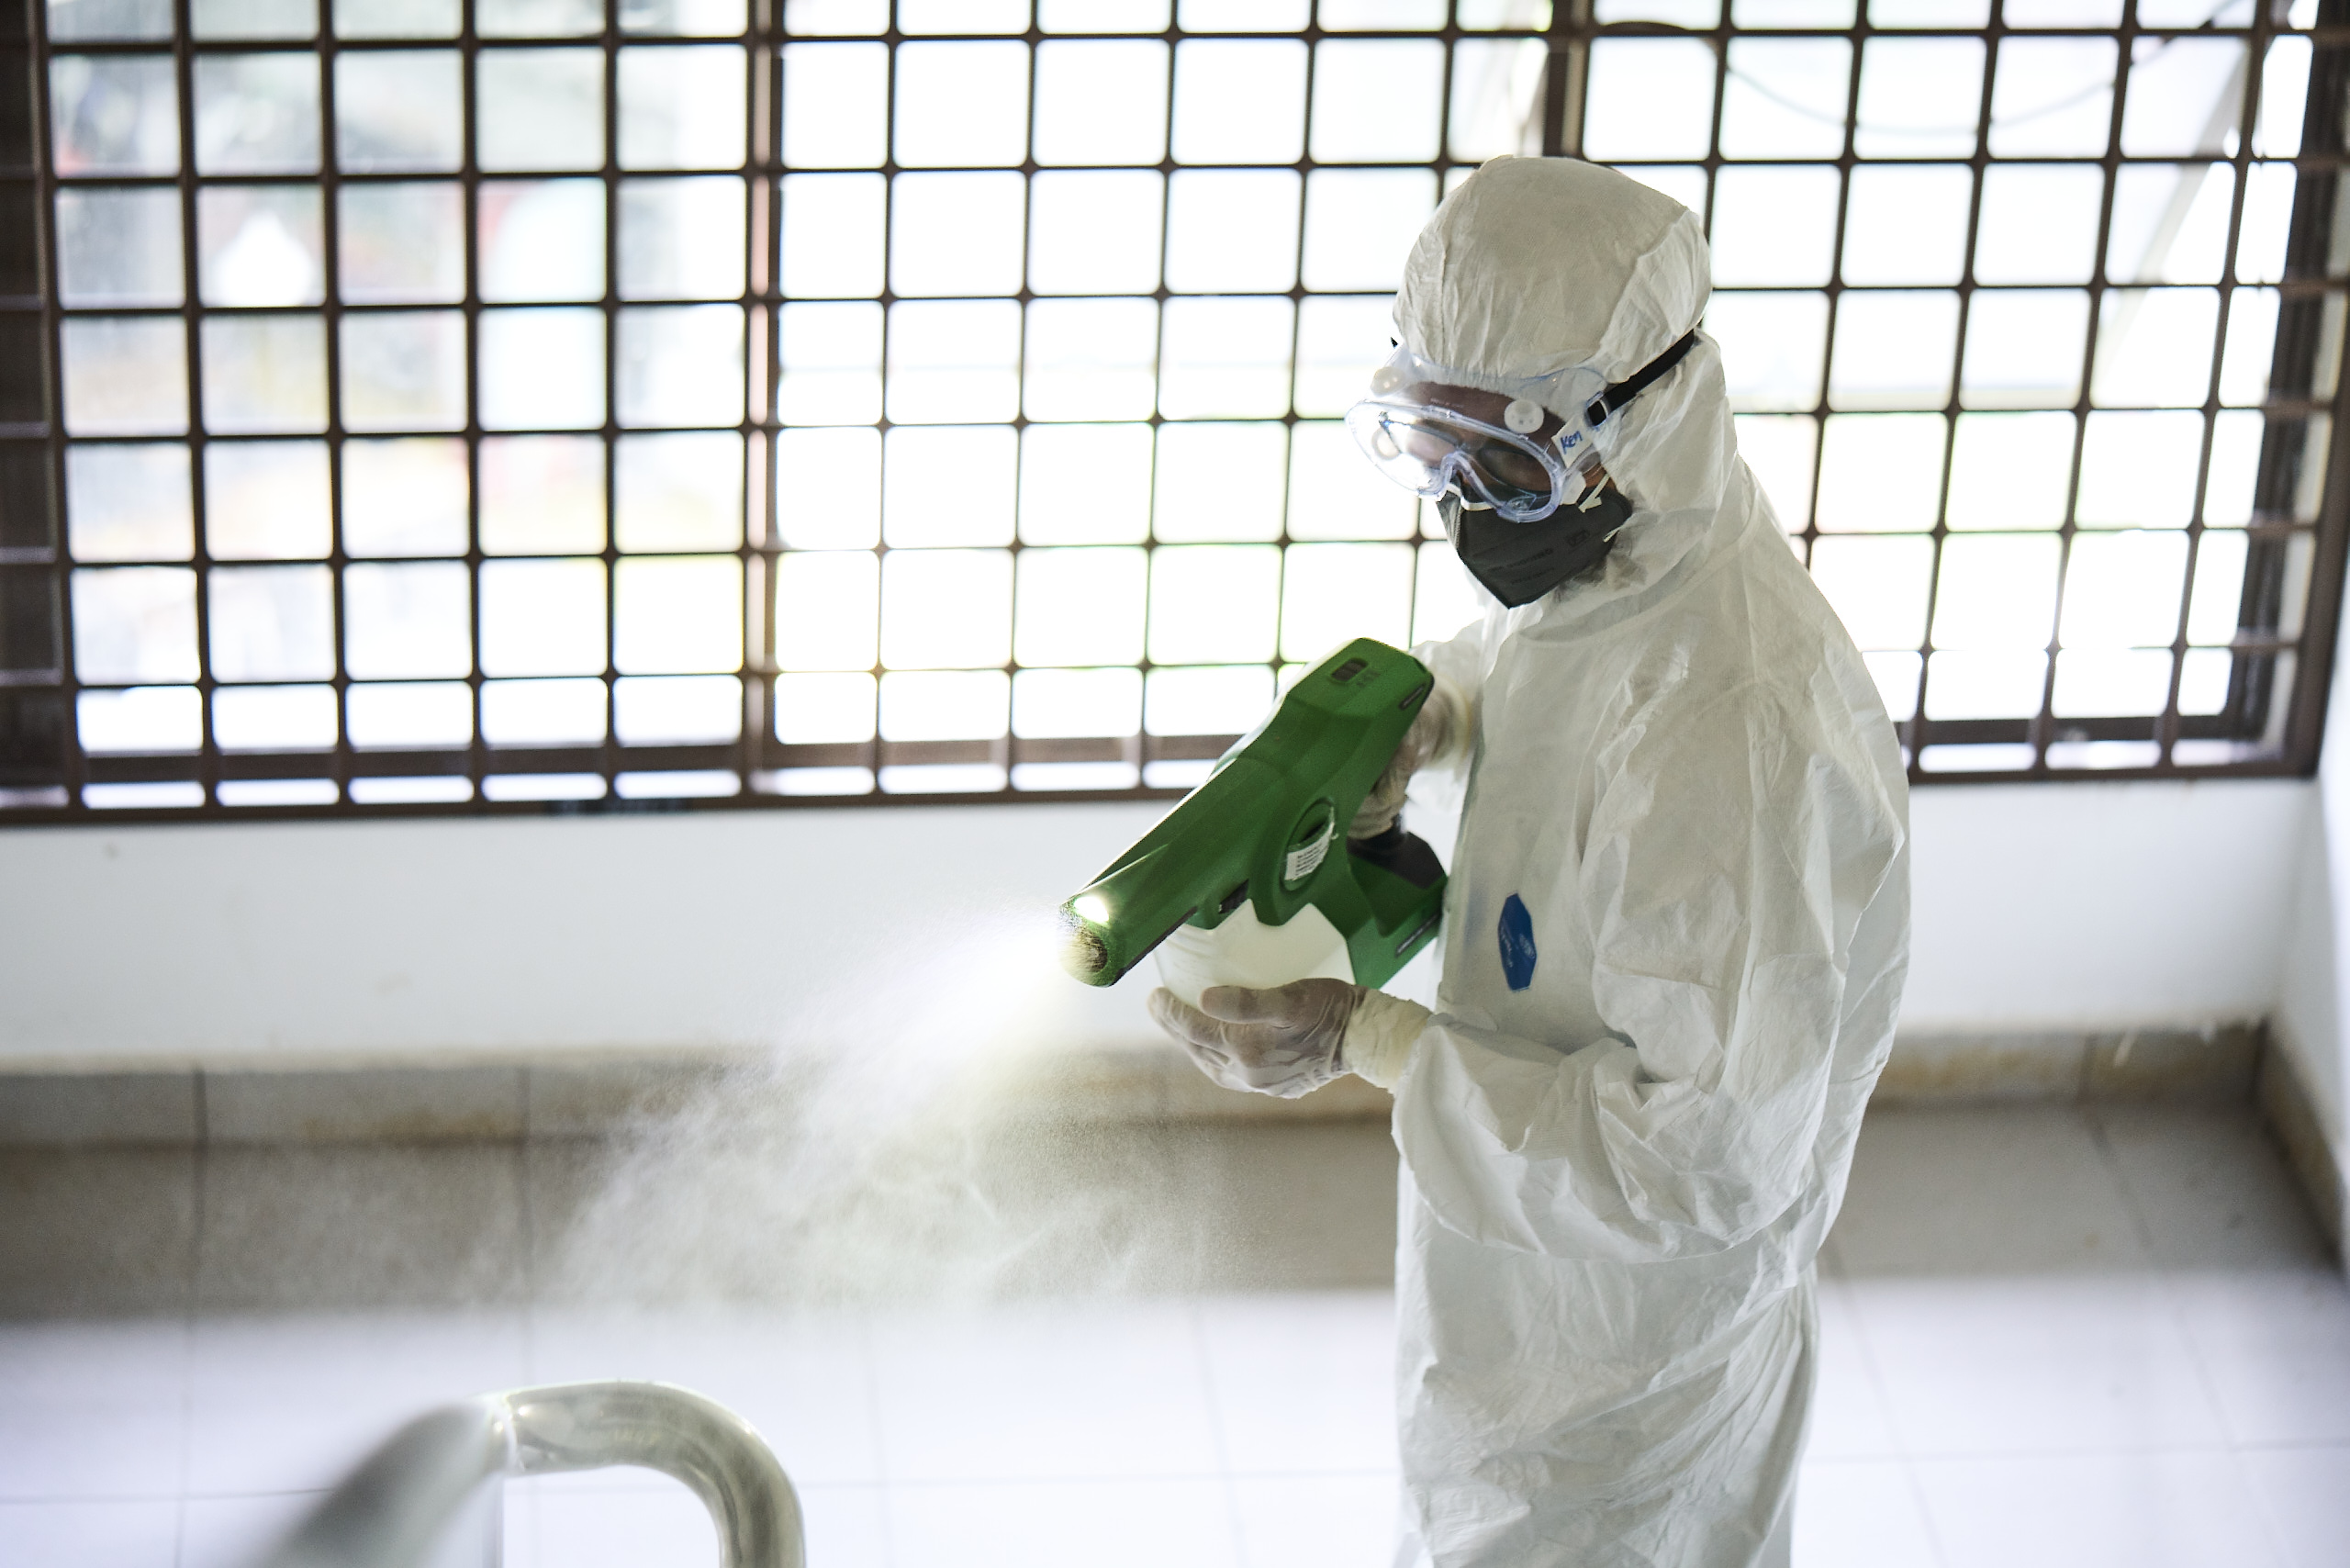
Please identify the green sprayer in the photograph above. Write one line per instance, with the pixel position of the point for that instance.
(1252, 874)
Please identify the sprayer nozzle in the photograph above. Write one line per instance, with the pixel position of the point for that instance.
(1084, 954)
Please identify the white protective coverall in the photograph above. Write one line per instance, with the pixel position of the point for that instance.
(1627, 1127)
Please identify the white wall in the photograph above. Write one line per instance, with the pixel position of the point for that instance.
(2101, 905)
(2048, 906)
(308, 940)
(2315, 1000)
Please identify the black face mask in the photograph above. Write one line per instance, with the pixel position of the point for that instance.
(1520, 562)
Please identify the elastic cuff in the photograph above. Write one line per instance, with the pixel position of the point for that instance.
(1380, 1037)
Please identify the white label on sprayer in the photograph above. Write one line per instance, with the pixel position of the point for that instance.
(1301, 863)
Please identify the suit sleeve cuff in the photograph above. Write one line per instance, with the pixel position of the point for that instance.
(1380, 1037)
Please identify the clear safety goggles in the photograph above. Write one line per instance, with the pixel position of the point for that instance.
(1525, 463)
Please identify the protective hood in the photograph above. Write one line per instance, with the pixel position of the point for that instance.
(1537, 265)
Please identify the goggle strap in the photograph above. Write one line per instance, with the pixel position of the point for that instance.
(1640, 381)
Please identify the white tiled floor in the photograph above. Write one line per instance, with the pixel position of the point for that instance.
(2050, 1337)
(2078, 1338)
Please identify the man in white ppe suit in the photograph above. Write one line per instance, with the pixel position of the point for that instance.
(1677, 923)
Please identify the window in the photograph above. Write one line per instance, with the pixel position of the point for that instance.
(413, 405)
(2032, 329)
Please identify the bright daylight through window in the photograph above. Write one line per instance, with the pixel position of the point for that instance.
(434, 401)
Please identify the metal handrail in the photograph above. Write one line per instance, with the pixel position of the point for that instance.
(398, 1508)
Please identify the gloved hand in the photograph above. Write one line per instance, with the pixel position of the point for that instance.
(1284, 1041)
(1441, 727)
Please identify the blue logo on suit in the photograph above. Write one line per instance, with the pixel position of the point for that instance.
(1518, 943)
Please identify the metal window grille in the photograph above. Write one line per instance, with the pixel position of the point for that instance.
(460, 405)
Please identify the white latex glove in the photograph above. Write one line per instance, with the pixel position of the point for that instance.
(1439, 731)
(1292, 1039)
(1284, 1041)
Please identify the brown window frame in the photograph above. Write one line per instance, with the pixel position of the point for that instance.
(2271, 724)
